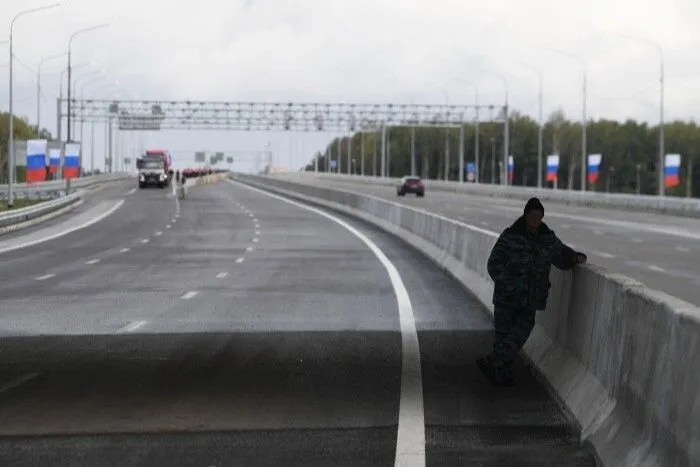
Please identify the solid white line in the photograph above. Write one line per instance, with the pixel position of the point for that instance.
(132, 326)
(656, 268)
(64, 232)
(410, 440)
(92, 261)
(145, 240)
(221, 275)
(239, 260)
(18, 381)
(124, 250)
(189, 295)
(45, 276)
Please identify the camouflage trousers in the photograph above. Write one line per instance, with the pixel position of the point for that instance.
(512, 329)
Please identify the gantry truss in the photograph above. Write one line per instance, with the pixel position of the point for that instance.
(134, 115)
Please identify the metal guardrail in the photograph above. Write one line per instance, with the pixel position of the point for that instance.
(18, 216)
(54, 189)
(688, 207)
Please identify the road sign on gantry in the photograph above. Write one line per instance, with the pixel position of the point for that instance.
(229, 160)
(200, 156)
(219, 156)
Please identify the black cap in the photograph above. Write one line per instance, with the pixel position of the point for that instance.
(534, 204)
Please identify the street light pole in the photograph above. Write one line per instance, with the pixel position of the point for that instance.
(540, 129)
(70, 43)
(662, 130)
(11, 135)
(506, 129)
(38, 89)
(584, 119)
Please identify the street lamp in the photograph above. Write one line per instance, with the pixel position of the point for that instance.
(447, 133)
(662, 142)
(541, 123)
(38, 89)
(60, 97)
(70, 42)
(75, 85)
(11, 142)
(476, 134)
(506, 130)
(584, 118)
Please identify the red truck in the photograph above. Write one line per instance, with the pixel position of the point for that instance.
(155, 166)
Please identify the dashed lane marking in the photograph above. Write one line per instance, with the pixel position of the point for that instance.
(92, 261)
(133, 326)
(250, 248)
(124, 250)
(45, 276)
(189, 295)
(239, 260)
(159, 233)
(221, 275)
(145, 240)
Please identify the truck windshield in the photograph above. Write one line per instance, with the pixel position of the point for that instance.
(151, 165)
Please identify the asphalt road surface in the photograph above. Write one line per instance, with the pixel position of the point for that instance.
(232, 328)
(660, 251)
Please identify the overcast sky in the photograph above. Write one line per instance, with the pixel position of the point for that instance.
(357, 51)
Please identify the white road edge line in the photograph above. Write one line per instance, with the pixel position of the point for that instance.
(410, 440)
(189, 295)
(131, 327)
(18, 381)
(64, 232)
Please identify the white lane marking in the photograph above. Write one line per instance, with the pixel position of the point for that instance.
(637, 240)
(132, 191)
(597, 232)
(410, 439)
(239, 260)
(189, 295)
(64, 232)
(124, 250)
(255, 240)
(250, 214)
(566, 226)
(257, 232)
(159, 233)
(167, 226)
(174, 220)
(250, 248)
(45, 276)
(145, 240)
(484, 223)
(18, 381)
(656, 268)
(603, 254)
(221, 275)
(92, 261)
(682, 249)
(131, 327)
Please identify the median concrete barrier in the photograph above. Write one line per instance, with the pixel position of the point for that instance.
(622, 359)
(688, 207)
(184, 189)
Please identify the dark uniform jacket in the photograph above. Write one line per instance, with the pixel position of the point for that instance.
(520, 263)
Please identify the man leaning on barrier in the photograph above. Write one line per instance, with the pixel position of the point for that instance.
(519, 265)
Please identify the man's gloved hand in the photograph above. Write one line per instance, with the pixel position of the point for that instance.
(579, 258)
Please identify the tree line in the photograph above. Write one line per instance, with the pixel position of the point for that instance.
(630, 152)
(22, 130)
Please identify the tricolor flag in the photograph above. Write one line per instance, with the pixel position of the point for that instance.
(672, 168)
(36, 160)
(594, 167)
(71, 161)
(552, 167)
(54, 160)
(511, 169)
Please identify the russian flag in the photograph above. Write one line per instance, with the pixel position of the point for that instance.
(36, 160)
(594, 167)
(552, 167)
(71, 161)
(54, 160)
(511, 168)
(672, 168)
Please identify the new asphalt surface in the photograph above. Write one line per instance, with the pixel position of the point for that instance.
(232, 328)
(660, 251)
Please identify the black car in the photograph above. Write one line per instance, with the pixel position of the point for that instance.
(410, 185)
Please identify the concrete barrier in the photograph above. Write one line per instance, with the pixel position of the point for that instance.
(687, 207)
(183, 189)
(621, 358)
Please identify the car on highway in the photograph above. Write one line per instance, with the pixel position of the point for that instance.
(410, 184)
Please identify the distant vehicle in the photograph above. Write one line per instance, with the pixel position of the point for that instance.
(410, 185)
(152, 170)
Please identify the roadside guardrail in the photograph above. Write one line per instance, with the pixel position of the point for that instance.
(618, 355)
(688, 207)
(56, 188)
(18, 216)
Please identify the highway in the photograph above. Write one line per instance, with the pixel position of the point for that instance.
(660, 251)
(234, 328)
